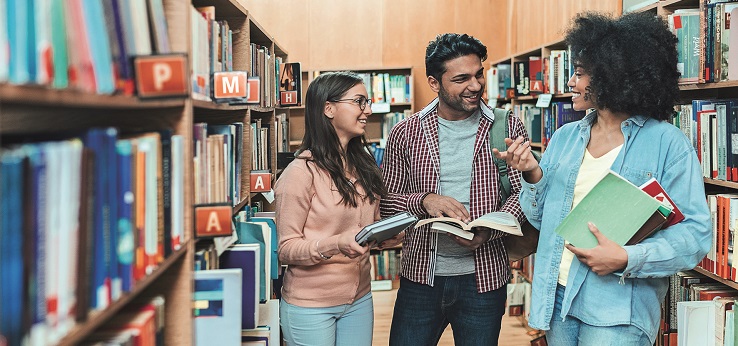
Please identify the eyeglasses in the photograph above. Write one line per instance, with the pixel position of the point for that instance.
(362, 102)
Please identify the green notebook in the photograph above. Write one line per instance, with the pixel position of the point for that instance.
(620, 210)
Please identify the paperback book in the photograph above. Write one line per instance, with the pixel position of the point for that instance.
(499, 220)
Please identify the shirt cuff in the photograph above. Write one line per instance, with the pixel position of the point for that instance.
(636, 259)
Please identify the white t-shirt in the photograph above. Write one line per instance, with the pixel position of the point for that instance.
(590, 172)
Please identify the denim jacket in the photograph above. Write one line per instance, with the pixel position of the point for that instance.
(652, 148)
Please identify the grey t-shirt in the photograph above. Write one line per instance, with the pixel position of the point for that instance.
(456, 147)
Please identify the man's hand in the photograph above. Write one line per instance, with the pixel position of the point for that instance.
(605, 258)
(392, 242)
(481, 236)
(437, 206)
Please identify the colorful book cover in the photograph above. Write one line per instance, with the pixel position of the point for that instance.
(655, 190)
(217, 307)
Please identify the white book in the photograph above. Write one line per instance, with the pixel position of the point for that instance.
(177, 192)
(500, 220)
(696, 323)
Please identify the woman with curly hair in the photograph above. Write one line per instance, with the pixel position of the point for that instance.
(625, 73)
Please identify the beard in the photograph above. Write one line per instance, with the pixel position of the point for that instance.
(456, 102)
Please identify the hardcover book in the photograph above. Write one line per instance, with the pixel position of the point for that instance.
(385, 228)
(621, 211)
(217, 307)
(655, 190)
(246, 258)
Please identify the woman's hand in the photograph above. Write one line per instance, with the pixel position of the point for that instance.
(349, 247)
(603, 259)
(517, 155)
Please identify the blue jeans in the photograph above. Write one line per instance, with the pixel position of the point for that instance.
(573, 331)
(422, 312)
(348, 324)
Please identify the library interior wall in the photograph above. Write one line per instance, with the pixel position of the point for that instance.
(333, 34)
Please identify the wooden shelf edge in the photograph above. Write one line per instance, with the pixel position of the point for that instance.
(99, 318)
(727, 282)
(240, 206)
(35, 94)
(218, 106)
(729, 184)
(702, 86)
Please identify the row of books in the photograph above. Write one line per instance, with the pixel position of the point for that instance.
(84, 219)
(555, 116)
(530, 115)
(704, 53)
(385, 264)
(698, 311)
(538, 75)
(136, 325)
(387, 88)
(261, 155)
(710, 125)
(218, 151)
(213, 43)
(84, 45)
(724, 213)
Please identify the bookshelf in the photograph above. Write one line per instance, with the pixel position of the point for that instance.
(374, 128)
(39, 113)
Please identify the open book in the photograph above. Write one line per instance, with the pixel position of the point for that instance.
(385, 228)
(498, 220)
(620, 210)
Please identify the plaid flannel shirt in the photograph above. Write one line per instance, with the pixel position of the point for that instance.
(411, 171)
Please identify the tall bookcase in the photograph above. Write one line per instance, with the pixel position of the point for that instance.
(39, 113)
(374, 132)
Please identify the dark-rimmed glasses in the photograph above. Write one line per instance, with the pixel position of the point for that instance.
(362, 102)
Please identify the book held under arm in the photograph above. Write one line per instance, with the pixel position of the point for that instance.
(385, 228)
(499, 220)
(621, 211)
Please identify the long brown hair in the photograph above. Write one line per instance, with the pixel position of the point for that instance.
(322, 141)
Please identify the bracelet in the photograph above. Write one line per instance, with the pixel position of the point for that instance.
(320, 253)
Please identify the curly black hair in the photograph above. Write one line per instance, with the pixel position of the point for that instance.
(450, 46)
(631, 62)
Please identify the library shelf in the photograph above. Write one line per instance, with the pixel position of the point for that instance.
(707, 273)
(723, 183)
(95, 319)
(39, 95)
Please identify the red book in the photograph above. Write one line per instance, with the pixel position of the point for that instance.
(653, 188)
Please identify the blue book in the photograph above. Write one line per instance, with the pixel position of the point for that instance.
(251, 233)
(274, 263)
(37, 270)
(102, 61)
(125, 234)
(246, 258)
(104, 265)
(11, 242)
(217, 307)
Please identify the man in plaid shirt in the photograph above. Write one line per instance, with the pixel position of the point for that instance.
(439, 162)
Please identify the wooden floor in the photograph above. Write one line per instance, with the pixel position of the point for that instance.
(513, 332)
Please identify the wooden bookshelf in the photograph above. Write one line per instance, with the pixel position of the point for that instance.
(99, 318)
(28, 112)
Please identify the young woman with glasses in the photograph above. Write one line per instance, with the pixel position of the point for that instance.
(323, 199)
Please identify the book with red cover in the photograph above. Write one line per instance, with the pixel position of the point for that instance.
(653, 188)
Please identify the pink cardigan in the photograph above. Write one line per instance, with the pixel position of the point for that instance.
(308, 209)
